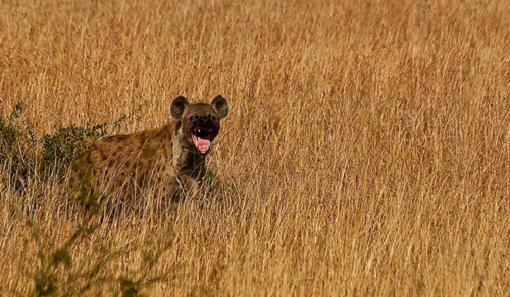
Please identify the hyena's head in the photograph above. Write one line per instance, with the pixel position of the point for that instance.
(198, 124)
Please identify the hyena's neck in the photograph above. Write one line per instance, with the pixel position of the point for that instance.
(185, 158)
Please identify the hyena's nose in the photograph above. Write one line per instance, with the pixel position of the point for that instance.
(205, 122)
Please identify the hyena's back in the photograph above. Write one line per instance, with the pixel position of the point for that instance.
(125, 160)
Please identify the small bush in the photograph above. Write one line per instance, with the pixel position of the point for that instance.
(61, 148)
(16, 148)
(8, 135)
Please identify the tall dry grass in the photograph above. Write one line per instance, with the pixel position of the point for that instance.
(367, 151)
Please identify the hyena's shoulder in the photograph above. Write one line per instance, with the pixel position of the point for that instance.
(125, 155)
(104, 152)
(147, 144)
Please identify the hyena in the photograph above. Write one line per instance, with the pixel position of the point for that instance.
(172, 156)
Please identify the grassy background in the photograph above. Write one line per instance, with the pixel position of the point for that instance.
(367, 151)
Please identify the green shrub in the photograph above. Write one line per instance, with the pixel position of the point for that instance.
(61, 148)
(16, 148)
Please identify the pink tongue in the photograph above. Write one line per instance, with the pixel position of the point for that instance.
(202, 145)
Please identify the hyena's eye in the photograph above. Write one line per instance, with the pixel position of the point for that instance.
(212, 117)
(193, 117)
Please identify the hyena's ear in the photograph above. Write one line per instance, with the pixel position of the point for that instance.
(177, 107)
(220, 105)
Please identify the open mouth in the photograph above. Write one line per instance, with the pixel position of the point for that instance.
(202, 140)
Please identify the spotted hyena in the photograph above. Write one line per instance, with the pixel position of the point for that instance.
(172, 156)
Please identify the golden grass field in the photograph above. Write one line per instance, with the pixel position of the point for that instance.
(366, 152)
